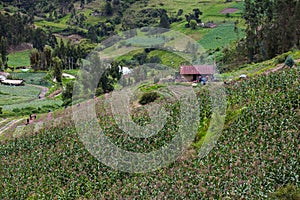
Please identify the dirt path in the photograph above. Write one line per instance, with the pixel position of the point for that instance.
(279, 67)
(44, 91)
(9, 125)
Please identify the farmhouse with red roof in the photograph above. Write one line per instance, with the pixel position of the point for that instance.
(192, 73)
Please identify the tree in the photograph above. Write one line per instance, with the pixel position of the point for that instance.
(179, 13)
(272, 27)
(197, 14)
(82, 4)
(39, 39)
(116, 2)
(108, 9)
(52, 40)
(164, 20)
(289, 62)
(92, 34)
(140, 57)
(68, 93)
(35, 59)
(57, 69)
(155, 59)
(236, 29)
(3, 50)
(193, 24)
(1, 64)
(95, 69)
(47, 56)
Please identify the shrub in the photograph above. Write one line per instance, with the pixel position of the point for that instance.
(148, 97)
(281, 58)
(179, 13)
(289, 61)
(289, 192)
(156, 80)
(16, 110)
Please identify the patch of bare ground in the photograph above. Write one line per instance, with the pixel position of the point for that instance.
(55, 93)
(229, 10)
(20, 47)
(279, 67)
(74, 37)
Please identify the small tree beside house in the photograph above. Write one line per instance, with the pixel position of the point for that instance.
(289, 62)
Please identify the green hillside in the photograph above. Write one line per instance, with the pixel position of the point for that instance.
(255, 47)
(256, 153)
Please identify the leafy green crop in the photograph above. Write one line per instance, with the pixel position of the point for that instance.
(257, 153)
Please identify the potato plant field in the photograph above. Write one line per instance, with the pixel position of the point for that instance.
(257, 152)
(13, 94)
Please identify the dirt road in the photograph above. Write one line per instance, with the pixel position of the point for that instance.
(44, 91)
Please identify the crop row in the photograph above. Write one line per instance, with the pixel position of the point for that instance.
(257, 152)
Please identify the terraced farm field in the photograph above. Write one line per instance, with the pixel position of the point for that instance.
(256, 153)
(35, 78)
(17, 94)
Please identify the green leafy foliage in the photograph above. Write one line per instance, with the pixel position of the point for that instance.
(67, 93)
(289, 61)
(256, 153)
(148, 97)
(15, 95)
(19, 59)
(36, 78)
(289, 192)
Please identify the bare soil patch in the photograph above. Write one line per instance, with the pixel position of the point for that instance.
(20, 47)
(74, 37)
(229, 10)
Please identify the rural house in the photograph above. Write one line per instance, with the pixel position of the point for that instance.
(192, 73)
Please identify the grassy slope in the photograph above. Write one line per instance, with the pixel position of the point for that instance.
(220, 36)
(211, 10)
(209, 38)
(15, 95)
(19, 58)
(259, 68)
(256, 153)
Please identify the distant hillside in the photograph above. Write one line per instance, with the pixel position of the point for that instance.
(96, 18)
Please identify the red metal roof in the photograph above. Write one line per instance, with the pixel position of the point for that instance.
(197, 69)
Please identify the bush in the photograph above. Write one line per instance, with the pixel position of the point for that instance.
(16, 110)
(289, 61)
(156, 80)
(179, 13)
(148, 97)
(289, 192)
(281, 58)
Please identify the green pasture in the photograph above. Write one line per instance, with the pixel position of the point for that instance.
(34, 104)
(16, 94)
(35, 78)
(20, 58)
(220, 36)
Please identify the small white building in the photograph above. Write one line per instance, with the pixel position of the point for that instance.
(125, 70)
